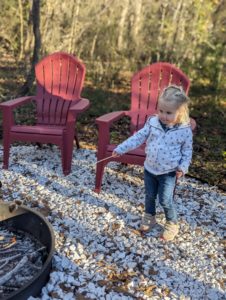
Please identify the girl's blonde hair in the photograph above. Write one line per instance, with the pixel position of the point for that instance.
(176, 95)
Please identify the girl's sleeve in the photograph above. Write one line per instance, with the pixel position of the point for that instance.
(135, 140)
(186, 152)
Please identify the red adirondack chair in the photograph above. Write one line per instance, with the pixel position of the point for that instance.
(146, 85)
(59, 81)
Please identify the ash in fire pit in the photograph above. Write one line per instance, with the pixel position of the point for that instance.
(26, 250)
(21, 256)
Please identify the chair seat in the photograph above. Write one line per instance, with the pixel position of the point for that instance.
(38, 129)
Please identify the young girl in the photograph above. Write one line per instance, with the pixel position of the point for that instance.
(168, 139)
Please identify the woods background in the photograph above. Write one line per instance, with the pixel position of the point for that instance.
(115, 38)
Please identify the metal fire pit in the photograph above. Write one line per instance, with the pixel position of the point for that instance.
(33, 223)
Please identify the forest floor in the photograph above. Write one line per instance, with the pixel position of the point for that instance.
(209, 156)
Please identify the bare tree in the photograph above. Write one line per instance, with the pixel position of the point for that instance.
(37, 45)
(74, 29)
(137, 19)
(164, 6)
(122, 23)
(21, 29)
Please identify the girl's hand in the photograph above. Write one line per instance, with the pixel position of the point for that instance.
(115, 154)
(179, 173)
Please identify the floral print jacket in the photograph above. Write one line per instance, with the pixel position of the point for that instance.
(166, 150)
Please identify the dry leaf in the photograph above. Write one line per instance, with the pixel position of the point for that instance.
(149, 290)
(121, 277)
(122, 290)
(222, 283)
(54, 295)
(80, 296)
(137, 232)
(223, 242)
(166, 292)
(102, 282)
(65, 288)
(115, 226)
(152, 271)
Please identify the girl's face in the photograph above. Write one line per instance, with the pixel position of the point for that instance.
(168, 113)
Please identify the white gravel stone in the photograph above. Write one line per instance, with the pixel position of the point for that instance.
(100, 254)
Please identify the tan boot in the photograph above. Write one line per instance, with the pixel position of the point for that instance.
(147, 223)
(170, 231)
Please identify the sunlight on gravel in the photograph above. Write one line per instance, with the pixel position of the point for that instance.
(100, 254)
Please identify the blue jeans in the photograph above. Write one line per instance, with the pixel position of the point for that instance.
(163, 186)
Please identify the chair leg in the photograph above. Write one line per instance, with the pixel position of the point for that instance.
(66, 153)
(76, 141)
(66, 159)
(99, 176)
(6, 149)
(76, 138)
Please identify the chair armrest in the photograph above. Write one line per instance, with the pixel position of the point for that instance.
(110, 118)
(80, 106)
(193, 124)
(11, 104)
(104, 123)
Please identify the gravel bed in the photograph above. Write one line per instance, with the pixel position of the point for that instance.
(100, 254)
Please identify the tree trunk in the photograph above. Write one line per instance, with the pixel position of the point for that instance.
(36, 30)
(137, 20)
(172, 36)
(21, 30)
(75, 13)
(122, 23)
(37, 45)
(93, 46)
(29, 37)
(160, 35)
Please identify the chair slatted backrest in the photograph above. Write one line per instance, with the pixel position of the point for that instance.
(146, 86)
(59, 79)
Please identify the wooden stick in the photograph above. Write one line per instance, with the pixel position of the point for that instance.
(9, 258)
(7, 276)
(105, 159)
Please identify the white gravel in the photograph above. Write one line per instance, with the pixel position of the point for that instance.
(100, 254)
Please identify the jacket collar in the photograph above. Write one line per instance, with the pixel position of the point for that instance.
(154, 121)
